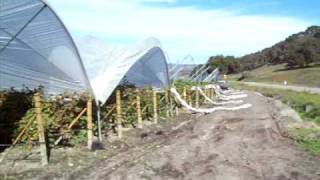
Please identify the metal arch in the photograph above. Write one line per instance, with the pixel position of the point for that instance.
(200, 74)
(198, 71)
(45, 2)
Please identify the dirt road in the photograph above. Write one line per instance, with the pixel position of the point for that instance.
(242, 145)
(312, 90)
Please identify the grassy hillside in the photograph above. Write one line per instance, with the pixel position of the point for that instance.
(309, 76)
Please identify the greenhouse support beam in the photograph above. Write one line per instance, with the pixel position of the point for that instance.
(41, 130)
(119, 113)
(167, 103)
(89, 123)
(197, 98)
(190, 98)
(198, 71)
(99, 122)
(155, 106)
(138, 106)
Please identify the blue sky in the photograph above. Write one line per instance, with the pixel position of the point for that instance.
(296, 8)
(201, 28)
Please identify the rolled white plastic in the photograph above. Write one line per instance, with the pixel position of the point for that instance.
(207, 110)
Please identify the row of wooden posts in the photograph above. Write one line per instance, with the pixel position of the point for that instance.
(119, 119)
(139, 111)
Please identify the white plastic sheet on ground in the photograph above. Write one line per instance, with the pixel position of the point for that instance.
(206, 110)
(37, 50)
(226, 95)
(143, 64)
(218, 103)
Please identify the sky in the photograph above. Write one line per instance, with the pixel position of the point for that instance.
(200, 28)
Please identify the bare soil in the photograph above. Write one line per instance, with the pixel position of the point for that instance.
(245, 144)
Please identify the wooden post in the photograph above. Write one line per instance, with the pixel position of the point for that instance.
(190, 98)
(184, 93)
(167, 103)
(119, 113)
(170, 103)
(138, 104)
(197, 98)
(205, 93)
(41, 130)
(89, 123)
(155, 106)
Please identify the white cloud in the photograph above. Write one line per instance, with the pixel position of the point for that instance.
(182, 30)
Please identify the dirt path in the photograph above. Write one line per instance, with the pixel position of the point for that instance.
(243, 145)
(312, 90)
(248, 144)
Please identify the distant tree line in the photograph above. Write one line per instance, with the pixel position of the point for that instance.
(297, 51)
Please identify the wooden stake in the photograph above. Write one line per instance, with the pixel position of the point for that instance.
(110, 112)
(167, 103)
(89, 123)
(207, 94)
(184, 93)
(119, 113)
(155, 106)
(41, 130)
(190, 98)
(197, 98)
(23, 131)
(170, 103)
(71, 125)
(138, 104)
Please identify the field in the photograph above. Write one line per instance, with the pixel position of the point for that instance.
(278, 74)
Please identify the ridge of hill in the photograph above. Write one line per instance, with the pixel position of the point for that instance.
(297, 51)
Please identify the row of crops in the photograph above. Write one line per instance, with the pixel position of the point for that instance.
(67, 117)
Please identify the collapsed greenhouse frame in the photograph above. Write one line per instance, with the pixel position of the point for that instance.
(42, 63)
(143, 64)
(34, 54)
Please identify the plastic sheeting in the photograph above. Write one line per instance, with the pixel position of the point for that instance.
(183, 69)
(37, 50)
(213, 76)
(143, 64)
(206, 110)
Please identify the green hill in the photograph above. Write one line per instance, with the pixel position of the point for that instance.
(297, 51)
